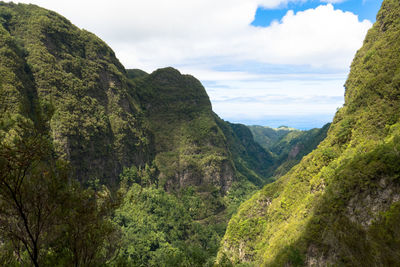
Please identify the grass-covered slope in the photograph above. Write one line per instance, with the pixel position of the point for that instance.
(339, 206)
(96, 125)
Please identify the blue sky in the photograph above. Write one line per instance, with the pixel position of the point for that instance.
(365, 9)
(267, 62)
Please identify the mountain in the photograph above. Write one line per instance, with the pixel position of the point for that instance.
(340, 204)
(160, 174)
(97, 125)
(250, 159)
(288, 145)
(103, 121)
(190, 147)
(267, 136)
(143, 146)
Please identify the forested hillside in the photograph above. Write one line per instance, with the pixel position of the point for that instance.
(267, 137)
(288, 145)
(96, 124)
(106, 166)
(103, 166)
(339, 206)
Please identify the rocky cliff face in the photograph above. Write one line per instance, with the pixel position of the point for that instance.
(104, 118)
(193, 146)
(190, 148)
(96, 125)
(340, 205)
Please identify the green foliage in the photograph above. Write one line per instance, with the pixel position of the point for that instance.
(135, 73)
(161, 229)
(45, 218)
(97, 126)
(288, 145)
(340, 204)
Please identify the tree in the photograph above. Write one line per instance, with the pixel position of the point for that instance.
(29, 187)
(45, 217)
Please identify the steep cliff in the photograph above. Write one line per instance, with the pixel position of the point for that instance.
(102, 120)
(96, 126)
(340, 205)
(155, 132)
(190, 148)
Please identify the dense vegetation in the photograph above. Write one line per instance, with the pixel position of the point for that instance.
(102, 166)
(340, 204)
(45, 217)
(96, 125)
(267, 136)
(160, 228)
(288, 145)
(160, 174)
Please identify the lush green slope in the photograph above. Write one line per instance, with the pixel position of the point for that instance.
(267, 136)
(291, 148)
(193, 146)
(339, 206)
(190, 147)
(135, 73)
(287, 145)
(96, 125)
(156, 132)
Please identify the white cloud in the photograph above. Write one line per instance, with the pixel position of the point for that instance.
(198, 35)
(333, 1)
(154, 33)
(276, 3)
(319, 37)
(277, 95)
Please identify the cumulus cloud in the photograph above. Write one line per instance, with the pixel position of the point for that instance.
(155, 33)
(276, 3)
(333, 1)
(198, 36)
(320, 37)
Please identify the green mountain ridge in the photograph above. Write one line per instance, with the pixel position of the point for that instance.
(160, 174)
(96, 124)
(339, 206)
(102, 120)
(288, 145)
(143, 146)
(267, 136)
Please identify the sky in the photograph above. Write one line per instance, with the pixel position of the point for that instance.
(265, 62)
